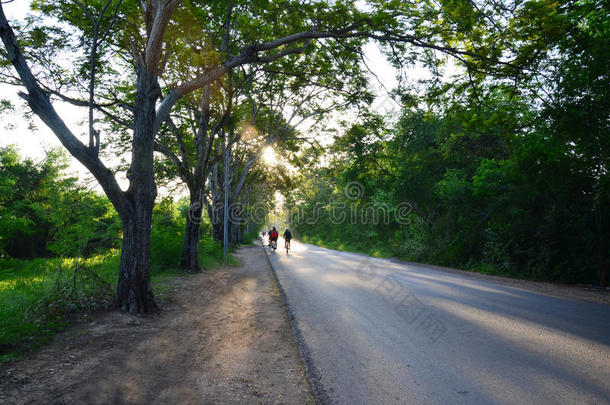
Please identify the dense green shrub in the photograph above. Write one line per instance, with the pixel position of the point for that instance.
(43, 212)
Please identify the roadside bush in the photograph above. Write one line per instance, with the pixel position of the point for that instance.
(44, 212)
(37, 295)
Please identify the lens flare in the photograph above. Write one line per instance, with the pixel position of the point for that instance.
(269, 156)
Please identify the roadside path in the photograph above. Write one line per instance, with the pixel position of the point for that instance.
(222, 338)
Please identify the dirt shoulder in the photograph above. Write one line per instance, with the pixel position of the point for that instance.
(223, 338)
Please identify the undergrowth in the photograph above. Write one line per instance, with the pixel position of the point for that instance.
(39, 297)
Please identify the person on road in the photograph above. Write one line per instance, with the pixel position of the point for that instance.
(273, 235)
(287, 236)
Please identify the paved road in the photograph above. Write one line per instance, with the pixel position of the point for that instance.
(377, 331)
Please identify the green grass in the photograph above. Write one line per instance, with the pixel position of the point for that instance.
(211, 254)
(250, 237)
(37, 297)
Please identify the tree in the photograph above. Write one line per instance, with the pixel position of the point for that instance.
(578, 115)
(391, 22)
(134, 206)
(214, 120)
(505, 174)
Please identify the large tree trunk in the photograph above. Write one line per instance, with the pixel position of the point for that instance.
(190, 246)
(235, 233)
(217, 232)
(214, 207)
(602, 270)
(134, 290)
(216, 214)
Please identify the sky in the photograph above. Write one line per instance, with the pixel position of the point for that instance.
(14, 129)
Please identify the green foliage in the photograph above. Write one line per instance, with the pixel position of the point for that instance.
(250, 237)
(166, 236)
(37, 295)
(169, 222)
(43, 212)
(499, 182)
(88, 225)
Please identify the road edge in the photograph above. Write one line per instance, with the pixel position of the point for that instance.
(311, 372)
(572, 292)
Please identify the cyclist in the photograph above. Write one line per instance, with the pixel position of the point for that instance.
(273, 235)
(287, 236)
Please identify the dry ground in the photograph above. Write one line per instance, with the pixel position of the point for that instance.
(223, 338)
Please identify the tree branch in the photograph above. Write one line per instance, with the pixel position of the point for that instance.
(158, 15)
(184, 173)
(41, 106)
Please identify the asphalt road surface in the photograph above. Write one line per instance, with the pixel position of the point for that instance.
(378, 331)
